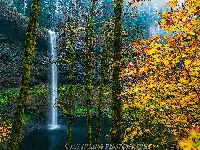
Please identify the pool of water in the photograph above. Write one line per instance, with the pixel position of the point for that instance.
(56, 139)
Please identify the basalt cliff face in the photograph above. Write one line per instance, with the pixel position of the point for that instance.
(11, 14)
(12, 36)
(11, 53)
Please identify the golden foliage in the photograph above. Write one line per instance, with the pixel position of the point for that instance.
(167, 85)
(5, 129)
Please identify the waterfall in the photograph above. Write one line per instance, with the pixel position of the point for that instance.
(24, 7)
(52, 79)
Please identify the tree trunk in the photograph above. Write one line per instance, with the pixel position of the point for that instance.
(116, 127)
(30, 43)
(105, 56)
(71, 85)
(88, 71)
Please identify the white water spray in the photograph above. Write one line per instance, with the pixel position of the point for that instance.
(24, 7)
(52, 83)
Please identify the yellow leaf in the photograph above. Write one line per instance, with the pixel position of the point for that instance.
(172, 3)
(198, 37)
(166, 62)
(163, 21)
(187, 62)
(151, 51)
(125, 140)
(184, 19)
(136, 89)
(186, 144)
(156, 58)
(148, 96)
(166, 36)
(125, 106)
(143, 68)
(128, 129)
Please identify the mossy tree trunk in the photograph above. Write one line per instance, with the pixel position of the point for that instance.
(101, 95)
(116, 106)
(89, 38)
(30, 43)
(71, 85)
(104, 69)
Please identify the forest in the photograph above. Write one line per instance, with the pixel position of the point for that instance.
(99, 74)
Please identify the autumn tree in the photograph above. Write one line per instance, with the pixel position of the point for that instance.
(164, 95)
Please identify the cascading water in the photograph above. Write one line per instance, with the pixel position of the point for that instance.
(52, 77)
(24, 7)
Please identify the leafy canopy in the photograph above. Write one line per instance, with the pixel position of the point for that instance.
(166, 77)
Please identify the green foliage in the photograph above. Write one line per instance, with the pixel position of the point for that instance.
(3, 100)
(40, 92)
(26, 118)
(108, 111)
(8, 96)
(39, 95)
(77, 90)
(82, 111)
(79, 95)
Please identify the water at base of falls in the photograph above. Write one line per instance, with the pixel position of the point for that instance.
(53, 127)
